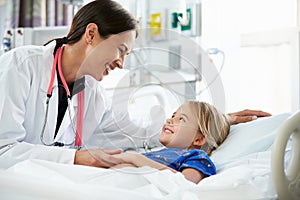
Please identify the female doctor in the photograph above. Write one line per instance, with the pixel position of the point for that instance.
(51, 96)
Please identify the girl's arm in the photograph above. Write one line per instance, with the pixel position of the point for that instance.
(193, 175)
(139, 160)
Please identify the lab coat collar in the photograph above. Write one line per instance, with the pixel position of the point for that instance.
(52, 108)
(46, 71)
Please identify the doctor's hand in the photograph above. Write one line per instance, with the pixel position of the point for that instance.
(245, 116)
(97, 157)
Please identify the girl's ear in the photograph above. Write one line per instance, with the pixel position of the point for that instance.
(90, 32)
(199, 140)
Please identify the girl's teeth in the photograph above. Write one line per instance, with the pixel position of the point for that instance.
(168, 131)
(107, 68)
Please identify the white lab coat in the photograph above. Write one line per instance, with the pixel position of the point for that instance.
(24, 78)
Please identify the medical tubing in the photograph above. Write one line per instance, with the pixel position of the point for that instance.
(209, 51)
(143, 63)
(181, 125)
(49, 91)
(44, 126)
(197, 93)
(130, 137)
(45, 122)
(79, 122)
(57, 59)
(60, 50)
(60, 42)
(71, 120)
(214, 51)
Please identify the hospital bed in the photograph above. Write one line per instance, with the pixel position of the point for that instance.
(258, 160)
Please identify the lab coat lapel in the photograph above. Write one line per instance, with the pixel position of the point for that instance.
(52, 112)
(52, 107)
(66, 130)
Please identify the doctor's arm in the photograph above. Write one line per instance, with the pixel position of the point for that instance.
(245, 116)
(97, 157)
(17, 141)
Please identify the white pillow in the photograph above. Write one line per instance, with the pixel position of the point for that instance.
(247, 138)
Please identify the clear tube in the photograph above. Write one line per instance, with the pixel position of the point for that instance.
(181, 125)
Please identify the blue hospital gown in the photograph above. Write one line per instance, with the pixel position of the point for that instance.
(179, 159)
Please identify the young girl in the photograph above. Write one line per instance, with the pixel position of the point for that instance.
(192, 133)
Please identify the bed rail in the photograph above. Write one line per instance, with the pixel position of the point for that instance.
(287, 181)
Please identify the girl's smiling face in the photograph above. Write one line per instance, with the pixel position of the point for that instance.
(181, 129)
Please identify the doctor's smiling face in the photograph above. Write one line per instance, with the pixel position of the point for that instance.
(181, 130)
(107, 54)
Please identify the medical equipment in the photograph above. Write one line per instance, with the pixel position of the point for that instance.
(181, 125)
(7, 41)
(217, 72)
(287, 181)
(33, 35)
(78, 131)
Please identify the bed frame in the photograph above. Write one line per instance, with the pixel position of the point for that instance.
(287, 182)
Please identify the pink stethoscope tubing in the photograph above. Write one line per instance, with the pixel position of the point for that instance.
(80, 95)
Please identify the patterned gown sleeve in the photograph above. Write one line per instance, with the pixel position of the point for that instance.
(196, 159)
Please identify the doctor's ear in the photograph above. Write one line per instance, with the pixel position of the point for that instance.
(91, 32)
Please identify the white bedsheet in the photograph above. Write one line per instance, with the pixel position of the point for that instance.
(246, 178)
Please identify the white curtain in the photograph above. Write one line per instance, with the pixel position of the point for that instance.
(260, 41)
(268, 78)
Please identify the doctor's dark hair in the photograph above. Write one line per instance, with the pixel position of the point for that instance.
(110, 17)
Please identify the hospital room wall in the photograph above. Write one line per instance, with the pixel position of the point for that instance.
(260, 39)
(261, 44)
(2, 16)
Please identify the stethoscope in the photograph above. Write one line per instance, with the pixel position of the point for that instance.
(79, 123)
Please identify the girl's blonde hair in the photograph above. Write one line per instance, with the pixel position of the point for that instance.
(213, 124)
